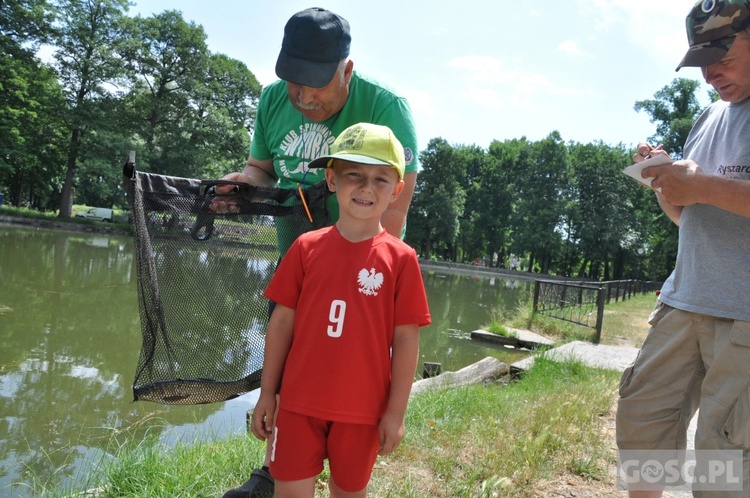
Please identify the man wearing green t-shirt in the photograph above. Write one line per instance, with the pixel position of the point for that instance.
(299, 116)
(318, 96)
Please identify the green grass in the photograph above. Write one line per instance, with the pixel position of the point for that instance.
(472, 441)
(53, 216)
(26, 213)
(624, 322)
(144, 467)
(499, 329)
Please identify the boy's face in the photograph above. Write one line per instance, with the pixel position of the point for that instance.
(364, 191)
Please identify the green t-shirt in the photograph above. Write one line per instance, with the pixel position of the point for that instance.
(283, 134)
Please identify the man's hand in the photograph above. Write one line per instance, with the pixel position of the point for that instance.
(645, 151)
(679, 182)
(235, 177)
(256, 172)
(223, 202)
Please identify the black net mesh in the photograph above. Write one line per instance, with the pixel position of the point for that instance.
(201, 278)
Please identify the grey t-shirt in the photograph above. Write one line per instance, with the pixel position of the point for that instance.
(712, 272)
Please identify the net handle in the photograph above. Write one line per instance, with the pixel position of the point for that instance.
(208, 187)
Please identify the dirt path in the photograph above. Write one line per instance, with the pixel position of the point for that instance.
(576, 486)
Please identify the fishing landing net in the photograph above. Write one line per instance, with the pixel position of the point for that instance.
(201, 277)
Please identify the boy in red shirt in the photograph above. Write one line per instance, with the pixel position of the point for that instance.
(350, 301)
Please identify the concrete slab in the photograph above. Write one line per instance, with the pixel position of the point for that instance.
(596, 355)
(521, 339)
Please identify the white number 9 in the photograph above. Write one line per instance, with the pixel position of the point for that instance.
(336, 317)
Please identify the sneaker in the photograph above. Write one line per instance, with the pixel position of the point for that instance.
(260, 485)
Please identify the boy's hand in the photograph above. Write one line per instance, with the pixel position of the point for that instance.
(264, 416)
(391, 431)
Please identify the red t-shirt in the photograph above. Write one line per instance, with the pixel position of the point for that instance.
(348, 297)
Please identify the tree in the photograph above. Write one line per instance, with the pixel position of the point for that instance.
(674, 110)
(537, 210)
(190, 108)
(30, 106)
(86, 60)
(439, 199)
(225, 110)
(505, 160)
(472, 236)
(24, 24)
(602, 220)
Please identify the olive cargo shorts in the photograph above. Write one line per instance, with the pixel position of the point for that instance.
(688, 361)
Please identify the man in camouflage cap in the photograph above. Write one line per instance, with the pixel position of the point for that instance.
(712, 26)
(696, 356)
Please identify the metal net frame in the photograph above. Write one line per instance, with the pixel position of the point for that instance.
(201, 277)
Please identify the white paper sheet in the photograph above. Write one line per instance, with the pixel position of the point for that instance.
(634, 170)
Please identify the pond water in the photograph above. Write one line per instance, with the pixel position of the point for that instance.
(70, 338)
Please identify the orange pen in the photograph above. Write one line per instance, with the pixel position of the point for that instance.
(304, 202)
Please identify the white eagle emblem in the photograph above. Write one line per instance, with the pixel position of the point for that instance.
(369, 282)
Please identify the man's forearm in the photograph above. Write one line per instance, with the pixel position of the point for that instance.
(393, 220)
(729, 194)
(258, 174)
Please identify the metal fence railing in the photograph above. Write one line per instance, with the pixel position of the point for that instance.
(625, 289)
(582, 303)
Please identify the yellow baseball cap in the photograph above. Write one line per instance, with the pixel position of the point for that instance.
(366, 143)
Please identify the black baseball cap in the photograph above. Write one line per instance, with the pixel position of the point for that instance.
(315, 41)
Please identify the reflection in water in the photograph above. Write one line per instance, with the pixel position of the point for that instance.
(206, 320)
(459, 305)
(70, 340)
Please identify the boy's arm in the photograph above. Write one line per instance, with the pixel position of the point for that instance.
(403, 365)
(278, 342)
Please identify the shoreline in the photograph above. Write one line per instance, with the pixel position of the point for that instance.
(102, 228)
(114, 229)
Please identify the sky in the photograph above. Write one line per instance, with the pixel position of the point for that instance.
(475, 71)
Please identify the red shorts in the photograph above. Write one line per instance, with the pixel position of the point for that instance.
(301, 443)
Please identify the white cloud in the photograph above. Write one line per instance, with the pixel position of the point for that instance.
(488, 98)
(420, 102)
(486, 81)
(656, 26)
(569, 47)
(265, 76)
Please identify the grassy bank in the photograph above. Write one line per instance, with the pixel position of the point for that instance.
(52, 218)
(511, 439)
(625, 322)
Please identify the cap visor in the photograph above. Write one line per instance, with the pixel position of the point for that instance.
(321, 162)
(357, 158)
(703, 55)
(303, 72)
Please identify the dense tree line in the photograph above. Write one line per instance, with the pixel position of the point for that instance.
(117, 83)
(561, 208)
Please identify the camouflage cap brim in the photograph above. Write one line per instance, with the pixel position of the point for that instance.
(706, 54)
(712, 26)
